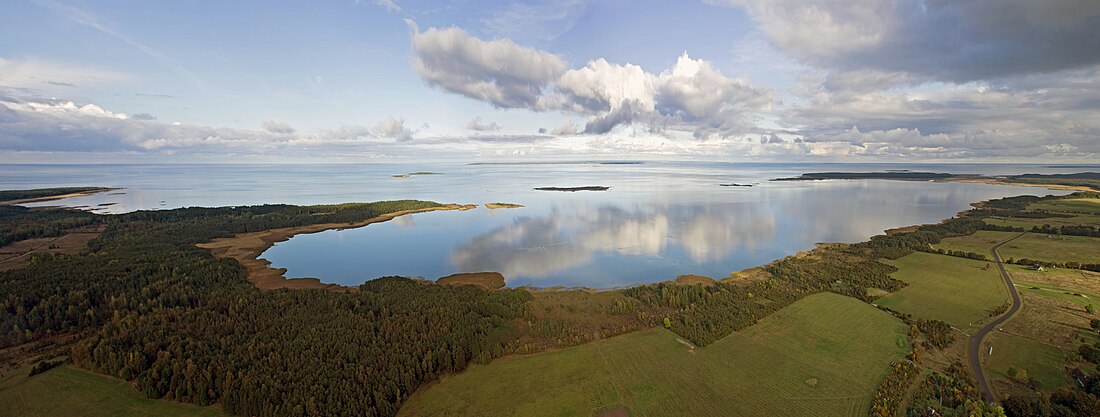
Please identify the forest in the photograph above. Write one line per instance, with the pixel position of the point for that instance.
(184, 325)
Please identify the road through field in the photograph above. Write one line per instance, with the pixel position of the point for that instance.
(976, 339)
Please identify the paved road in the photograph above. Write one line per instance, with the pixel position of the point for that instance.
(976, 340)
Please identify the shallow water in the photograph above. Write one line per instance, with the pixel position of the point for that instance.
(658, 220)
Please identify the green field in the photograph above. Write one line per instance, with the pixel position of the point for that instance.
(72, 392)
(1031, 246)
(1041, 361)
(1084, 211)
(821, 356)
(1070, 205)
(1074, 296)
(958, 291)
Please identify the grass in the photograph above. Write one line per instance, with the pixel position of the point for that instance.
(72, 392)
(1084, 211)
(958, 291)
(823, 355)
(1039, 360)
(1031, 246)
(1074, 296)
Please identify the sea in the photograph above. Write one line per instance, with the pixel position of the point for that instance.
(657, 220)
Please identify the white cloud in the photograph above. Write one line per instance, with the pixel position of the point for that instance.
(499, 72)
(277, 127)
(477, 125)
(37, 74)
(388, 5)
(393, 127)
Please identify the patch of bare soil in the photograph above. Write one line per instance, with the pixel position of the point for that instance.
(487, 280)
(18, 254)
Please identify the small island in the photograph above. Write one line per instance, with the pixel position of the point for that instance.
(411, 174)
(733, 184)
(888, 175)
(573, 189)
(502, 205)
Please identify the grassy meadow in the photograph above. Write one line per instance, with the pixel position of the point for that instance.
(1038, 360)
(73, 392)
(1036, 246)
(956, 290)
(821, 356)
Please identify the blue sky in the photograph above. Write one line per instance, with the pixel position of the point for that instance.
(138, 81)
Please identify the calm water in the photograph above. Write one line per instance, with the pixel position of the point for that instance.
(659, 220)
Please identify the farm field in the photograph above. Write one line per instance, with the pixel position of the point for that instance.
(958, 291)
(823, 355)
(72, 392)
(1031, 246)
(1038, 360)
(1083, 210)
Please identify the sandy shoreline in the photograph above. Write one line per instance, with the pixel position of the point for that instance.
(995, 181)
(55, 197)
(246, 248)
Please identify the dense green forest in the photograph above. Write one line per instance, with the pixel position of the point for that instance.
(184, 325)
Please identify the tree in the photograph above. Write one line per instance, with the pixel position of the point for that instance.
(1090, 309)
(1095, 324)
(668, 323)
(1034, 384)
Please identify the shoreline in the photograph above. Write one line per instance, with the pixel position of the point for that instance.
(56, 197)
(994, 181)
(246, 248)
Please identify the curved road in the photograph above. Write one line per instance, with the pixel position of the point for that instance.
(976, 339)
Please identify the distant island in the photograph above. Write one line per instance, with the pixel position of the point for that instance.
(414, 173)
(734, 185)
(888, 175)
(572, 189)
(1083, 181)
(502, 205)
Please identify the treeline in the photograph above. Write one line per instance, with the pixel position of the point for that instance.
(1078, 230)
(950, 393)
(184, 325)
(1062, 402)
(704, 314)
(1050, 264)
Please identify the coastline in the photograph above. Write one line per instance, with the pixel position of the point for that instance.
(994, 181)
(246, 248)
(56, 197)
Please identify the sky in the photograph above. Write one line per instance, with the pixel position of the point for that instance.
(410, 80)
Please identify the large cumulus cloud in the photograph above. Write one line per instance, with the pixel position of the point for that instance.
(691, 95)
(499, 71)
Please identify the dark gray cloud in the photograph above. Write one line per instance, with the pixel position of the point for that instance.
(955, 41)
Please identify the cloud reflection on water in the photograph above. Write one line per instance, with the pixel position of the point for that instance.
(565, 238)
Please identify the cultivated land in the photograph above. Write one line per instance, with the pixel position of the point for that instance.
(72, 392)
(1038, 360)
(823, 355)
(1037, 246)
(961, 292)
